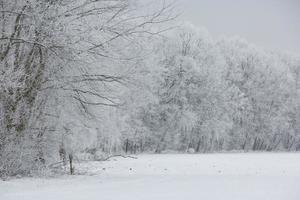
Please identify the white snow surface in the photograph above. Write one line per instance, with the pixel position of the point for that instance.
(240, 176)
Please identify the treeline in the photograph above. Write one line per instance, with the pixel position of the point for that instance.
(215, 95)
(85, 78)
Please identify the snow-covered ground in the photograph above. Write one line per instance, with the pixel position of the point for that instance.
(253, 176)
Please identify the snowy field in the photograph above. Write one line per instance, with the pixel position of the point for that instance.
(255, 176)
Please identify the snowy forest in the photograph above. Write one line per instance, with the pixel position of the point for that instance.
(88, 79)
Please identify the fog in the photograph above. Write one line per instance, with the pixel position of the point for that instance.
(272, 24)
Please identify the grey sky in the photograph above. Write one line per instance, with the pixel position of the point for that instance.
(273, 24)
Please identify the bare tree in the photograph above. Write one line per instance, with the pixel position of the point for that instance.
(56, 53)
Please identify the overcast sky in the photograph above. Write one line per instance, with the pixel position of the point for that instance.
(273, 24)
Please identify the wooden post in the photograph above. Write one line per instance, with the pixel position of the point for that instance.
(126, 146)
(71, 164)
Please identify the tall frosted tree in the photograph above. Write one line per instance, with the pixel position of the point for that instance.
(61, 54)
